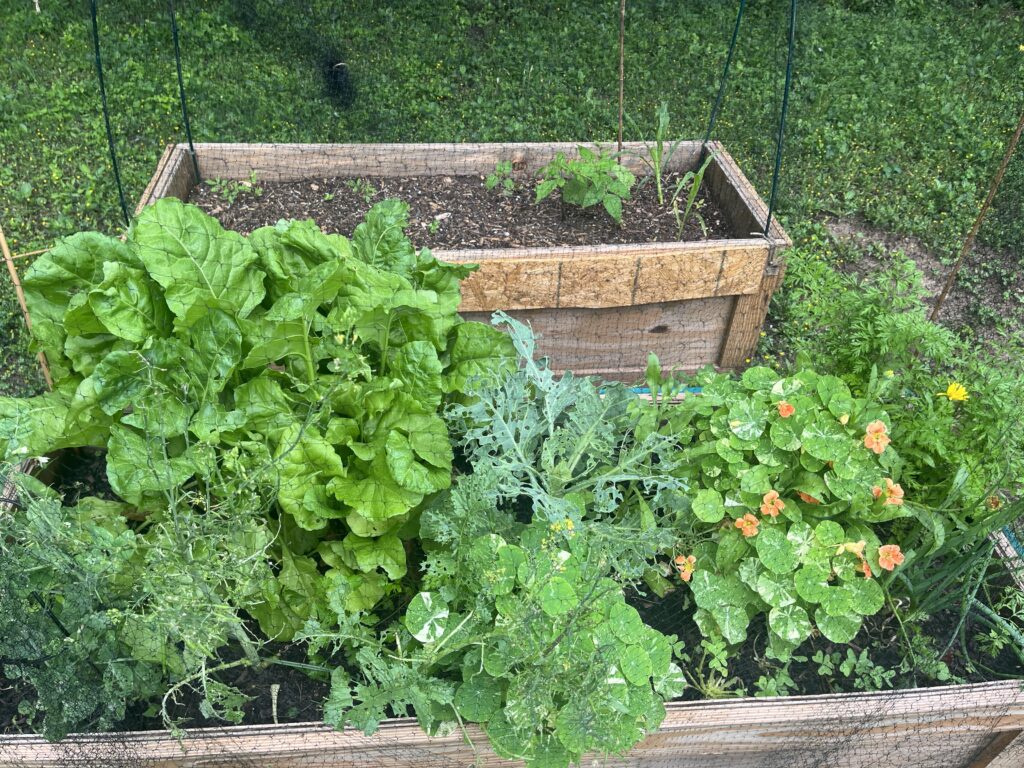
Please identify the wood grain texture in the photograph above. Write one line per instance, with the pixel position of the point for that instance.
(944, 727)
(739, 342)
(1011, 756)
(614, 345)
(608, 277)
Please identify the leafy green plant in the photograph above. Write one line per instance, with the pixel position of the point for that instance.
(658, 155)
(592, 178)
(794, 503)
(312, 364)
(521, 621)
(690, 181)
(501, 176)
(229, 190)
(96, 614)
(363, 188)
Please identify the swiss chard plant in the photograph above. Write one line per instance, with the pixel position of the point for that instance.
(521, 622)
(593, 178)
(797, 514)
(312, 365)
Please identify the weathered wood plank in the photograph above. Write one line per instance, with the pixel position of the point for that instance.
(1011, 756)
(943, 727)
(614, 345)
(740, 339)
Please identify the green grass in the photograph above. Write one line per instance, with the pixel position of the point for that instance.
(899, 110)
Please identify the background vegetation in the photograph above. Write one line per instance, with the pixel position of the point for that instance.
(899, 115)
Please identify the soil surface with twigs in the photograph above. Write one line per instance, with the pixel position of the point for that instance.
(458, 212)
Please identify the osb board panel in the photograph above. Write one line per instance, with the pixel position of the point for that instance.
(615, 345)
(933, 728)
(610, 276)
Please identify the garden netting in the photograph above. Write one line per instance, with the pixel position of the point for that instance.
(274, 98)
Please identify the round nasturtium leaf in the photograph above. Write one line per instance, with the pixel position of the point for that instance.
(866, 597)
(811, 583)
(778, 591)
(785, 435)
(479, 697)
(747, 419)
(759, 377)
(708, 505)
(827, 441)
(427, 617)
(557, 597)
(829, 534)
(838, 629)
(790, 622)
(732, 621)
(506, 565)
(801, 536)
(625, 623)
(838, 601)
(635, 664)
(774, 549)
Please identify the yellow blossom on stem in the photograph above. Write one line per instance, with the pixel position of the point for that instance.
(955, 392)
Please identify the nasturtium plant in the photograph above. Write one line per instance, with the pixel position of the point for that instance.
(796, 511)
(313, 364)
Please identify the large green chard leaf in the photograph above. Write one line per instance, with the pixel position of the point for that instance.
(68, 271)
(308, 465)
(200, 265)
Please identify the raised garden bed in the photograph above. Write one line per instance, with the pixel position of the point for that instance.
(599, 308)
(966, 726)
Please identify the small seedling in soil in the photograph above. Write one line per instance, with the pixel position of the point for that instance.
(694, 179)
(229, 190)
(501, 177)
(594, 177)
(363, 188)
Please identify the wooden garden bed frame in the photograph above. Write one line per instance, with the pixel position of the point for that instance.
(964, 726)
(599, 309)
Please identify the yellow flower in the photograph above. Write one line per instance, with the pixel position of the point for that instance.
(890, 373)
(955, 391)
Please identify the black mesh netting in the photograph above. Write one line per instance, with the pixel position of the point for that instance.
(216, 527)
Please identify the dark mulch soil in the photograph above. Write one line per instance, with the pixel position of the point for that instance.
(673, 615)
(79, 472)
(457, 212)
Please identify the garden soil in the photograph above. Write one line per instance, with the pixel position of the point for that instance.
(459, 212)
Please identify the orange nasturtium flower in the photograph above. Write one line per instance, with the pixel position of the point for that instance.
(748, 525)
(893, 493)
(889, 556)
(806, 498)
(786, 409)
(876, 438)
(685, 564)
(771, 504)
(865, 569)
